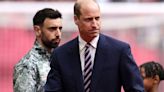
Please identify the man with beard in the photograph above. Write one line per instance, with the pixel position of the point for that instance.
(31, 72)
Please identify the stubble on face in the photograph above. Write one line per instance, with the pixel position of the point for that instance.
(52, 43)
(51, 33)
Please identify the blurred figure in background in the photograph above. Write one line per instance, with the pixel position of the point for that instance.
(152, 73)
(31, 72)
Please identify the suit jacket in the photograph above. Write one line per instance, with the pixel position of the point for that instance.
(113, 67)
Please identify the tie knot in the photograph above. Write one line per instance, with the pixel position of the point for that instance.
(87, 45)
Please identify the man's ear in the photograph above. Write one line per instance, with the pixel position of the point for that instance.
(156, 79)
(76, 19)
(37, 30)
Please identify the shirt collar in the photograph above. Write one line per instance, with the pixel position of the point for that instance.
(93, 43)
(41, 50)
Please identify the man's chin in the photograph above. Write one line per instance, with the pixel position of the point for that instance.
(94, 35)
(55, 45)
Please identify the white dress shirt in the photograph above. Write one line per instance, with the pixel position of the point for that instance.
(92, 48)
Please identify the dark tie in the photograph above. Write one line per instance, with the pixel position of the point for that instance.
(87, 68)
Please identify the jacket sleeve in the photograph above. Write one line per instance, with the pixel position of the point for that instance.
(130, 75)
(24, 78)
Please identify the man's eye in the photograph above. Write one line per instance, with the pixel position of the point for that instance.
(88, 19)
(60, 28)
(97, 18)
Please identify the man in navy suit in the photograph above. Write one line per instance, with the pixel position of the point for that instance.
(111, 62)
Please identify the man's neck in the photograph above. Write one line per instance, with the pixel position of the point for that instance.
(43, 46)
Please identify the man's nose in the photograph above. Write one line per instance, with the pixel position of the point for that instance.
(58, 33)
(94, 23)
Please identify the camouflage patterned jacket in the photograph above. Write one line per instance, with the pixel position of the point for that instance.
(31, 72)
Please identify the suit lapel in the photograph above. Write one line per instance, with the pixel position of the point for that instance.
(98, 62)
(97, 68)
(76, 66)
